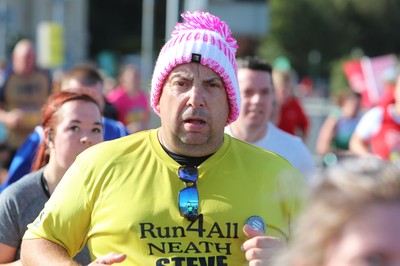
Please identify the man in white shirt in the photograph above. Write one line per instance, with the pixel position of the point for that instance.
(253, 124)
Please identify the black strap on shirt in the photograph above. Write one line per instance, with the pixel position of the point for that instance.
(186, 160)
(45, 187)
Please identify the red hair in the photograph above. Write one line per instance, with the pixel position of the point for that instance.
(50, 121)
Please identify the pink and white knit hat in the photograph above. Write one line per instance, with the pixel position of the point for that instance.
(204, 39)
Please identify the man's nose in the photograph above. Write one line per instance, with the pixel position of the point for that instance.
(256, 98)
(196, 96)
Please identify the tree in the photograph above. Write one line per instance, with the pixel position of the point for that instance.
(332, 27)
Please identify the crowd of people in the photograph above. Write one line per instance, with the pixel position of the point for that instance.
(226, 179)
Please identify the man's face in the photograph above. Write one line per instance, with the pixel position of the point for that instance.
(130, 79)
(257, 98)
(283, 90)
(24, 60)
(194, 109)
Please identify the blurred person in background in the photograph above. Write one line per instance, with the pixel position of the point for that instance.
(3, 71)
(109, 85)
(351, 219)
(388, 79)
(4, 152)
(88, 76)
(290, 115)
(73, 80)
(72, 122)
(378, 131)
(24, 91)
(131, 101)
(337, 129)
(56, 78)
(253, 124)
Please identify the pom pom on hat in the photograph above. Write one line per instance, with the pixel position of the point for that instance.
(204, 39)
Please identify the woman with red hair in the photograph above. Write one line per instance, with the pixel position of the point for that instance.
(72, 122)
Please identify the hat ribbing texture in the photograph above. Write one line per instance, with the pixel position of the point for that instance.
(207, 36)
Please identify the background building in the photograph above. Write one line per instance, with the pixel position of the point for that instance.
(22, 19)
(86, 24)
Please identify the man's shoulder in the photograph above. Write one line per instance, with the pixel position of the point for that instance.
(376, 110)
(373, 115)
(251, 151)
(278, 134)
(261, 162)
(288, 146)
(118, 146)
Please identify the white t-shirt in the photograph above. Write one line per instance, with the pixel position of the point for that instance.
(290, 147)
(371, 121)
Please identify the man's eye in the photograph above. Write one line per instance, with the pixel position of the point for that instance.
(214, 85)
(248, 93)
(180, 83)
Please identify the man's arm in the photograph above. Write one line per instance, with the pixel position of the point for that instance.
(44, 252)
(37, 252)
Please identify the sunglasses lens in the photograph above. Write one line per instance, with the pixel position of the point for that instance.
(188, 174)
(189, 202)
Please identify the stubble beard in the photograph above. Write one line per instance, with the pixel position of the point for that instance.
(196, 144)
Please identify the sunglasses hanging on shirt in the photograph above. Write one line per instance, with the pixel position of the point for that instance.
(188, 198)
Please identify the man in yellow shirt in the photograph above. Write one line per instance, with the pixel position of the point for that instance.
(182, 194)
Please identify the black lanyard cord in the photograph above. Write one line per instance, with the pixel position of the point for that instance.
(45, 186)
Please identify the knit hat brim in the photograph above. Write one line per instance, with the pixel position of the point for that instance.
(204, 39)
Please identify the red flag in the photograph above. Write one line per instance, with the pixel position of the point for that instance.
(365, 76)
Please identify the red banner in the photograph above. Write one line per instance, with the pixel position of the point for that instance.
(365, 76)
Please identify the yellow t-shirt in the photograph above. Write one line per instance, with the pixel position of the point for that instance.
(122, 196)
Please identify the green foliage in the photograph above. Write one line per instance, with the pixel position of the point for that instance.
(332, 27)
(338, 81)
